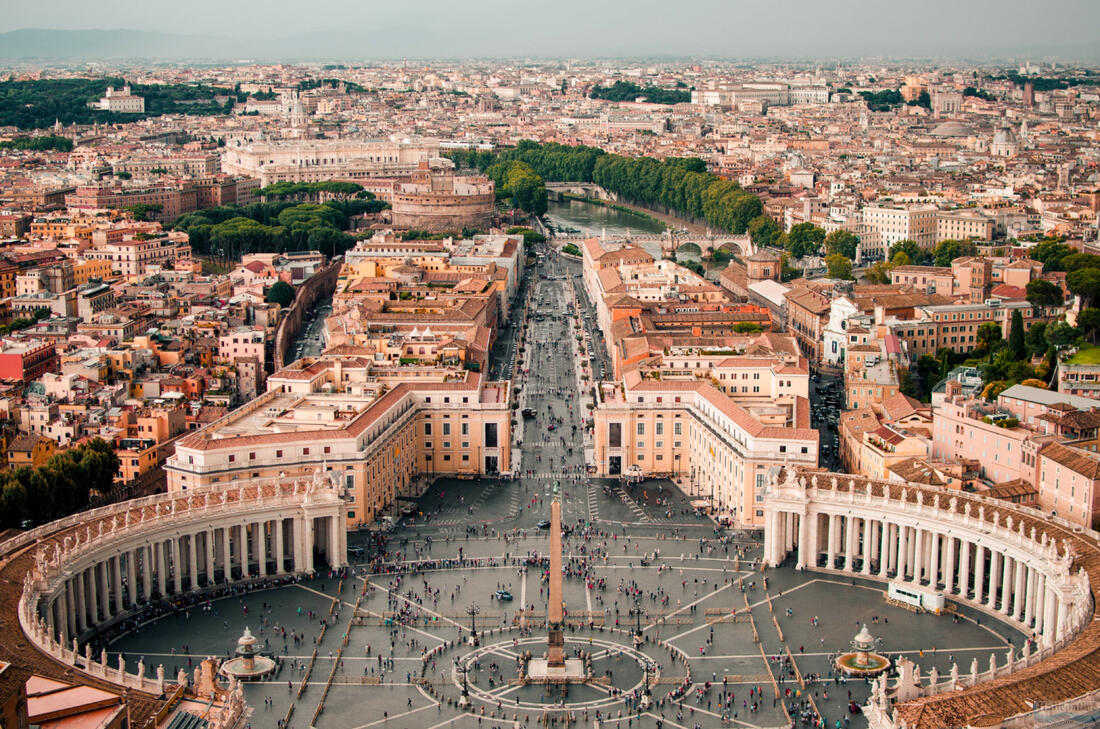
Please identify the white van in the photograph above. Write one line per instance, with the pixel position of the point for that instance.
(919, 597)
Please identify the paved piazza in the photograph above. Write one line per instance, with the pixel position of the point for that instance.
(385, 644)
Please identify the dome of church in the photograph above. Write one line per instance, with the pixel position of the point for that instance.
(952, 129)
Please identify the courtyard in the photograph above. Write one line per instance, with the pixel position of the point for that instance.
(655, 594)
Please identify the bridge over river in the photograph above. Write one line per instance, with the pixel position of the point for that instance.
(672, 242)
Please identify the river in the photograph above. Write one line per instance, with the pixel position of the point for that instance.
(596, 220)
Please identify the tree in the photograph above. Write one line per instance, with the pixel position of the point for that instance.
(1016, 335)
(763, 230)
(1050, 252)
(993, 389)
(1085, 282)
(1077, 261)
(1036, 338)
(693, 266)
(1088, 321)
(530, 237)
(838, 266)
(948, 250)
(917, 255)
(60, 487)
(787, 272)
(280, 293)
(1041, 293)
(879, 272)
(142, 210)
(988, 334)
(1060, 334)
(805, 239)
(842, 242)
(747, 327)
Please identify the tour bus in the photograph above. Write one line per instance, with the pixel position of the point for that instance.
(919, 597)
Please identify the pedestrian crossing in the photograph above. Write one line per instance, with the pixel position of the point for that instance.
(551, 474)
(514, 504)
(593, 503)
(633, 506)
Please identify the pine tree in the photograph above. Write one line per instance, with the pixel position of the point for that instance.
(1016, 335)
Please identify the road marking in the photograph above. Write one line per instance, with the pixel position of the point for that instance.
(398, 716)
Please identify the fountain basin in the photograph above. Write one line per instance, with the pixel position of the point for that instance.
(859, 663)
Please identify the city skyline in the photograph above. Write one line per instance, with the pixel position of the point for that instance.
(489, 28)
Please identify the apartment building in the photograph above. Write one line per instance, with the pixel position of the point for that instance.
(1069, 484)
(956, 325)
(964, 225)
(719, 450)
(379, 440)
(903, 222)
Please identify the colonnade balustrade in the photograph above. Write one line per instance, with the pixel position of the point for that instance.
(127, 556)
(1008, 561)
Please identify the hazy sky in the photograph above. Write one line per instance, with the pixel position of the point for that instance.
(616, 27)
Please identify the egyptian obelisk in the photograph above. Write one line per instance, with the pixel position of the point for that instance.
(555, 654)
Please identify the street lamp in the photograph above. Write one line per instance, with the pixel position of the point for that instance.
(464, 700)
(473, 612)
(636, 611)
(647, 695)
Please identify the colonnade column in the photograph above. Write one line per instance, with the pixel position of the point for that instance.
(903, 550)
(227, 555)
(307, 542)
(815, 539)
(884, 541)
(831, 545)
(1039, 612)
(116, 562)
(208, 541)
(771, 536)
(964, 569)
(934, 560)
(78, 604)
(870, 546)
(918, 554)
(69, 619)
(105, 587)
(1029, 591)
(979, 572)
(131, 577)
(91, 606)
(1019, 594)
(1006, 583)
(1050, 618)
(278, 523)
(803, 536)
(193, 560)
(162, 567)
(949, 564)
(851, 528)
(244, 551)
(64, 616)
(994, 574)
(177, 571)
(261, 546)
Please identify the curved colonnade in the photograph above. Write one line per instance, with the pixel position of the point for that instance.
(93, 570)
(1037, 573)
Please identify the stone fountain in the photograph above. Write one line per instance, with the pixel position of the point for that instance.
(249, 665)
(861, 660)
